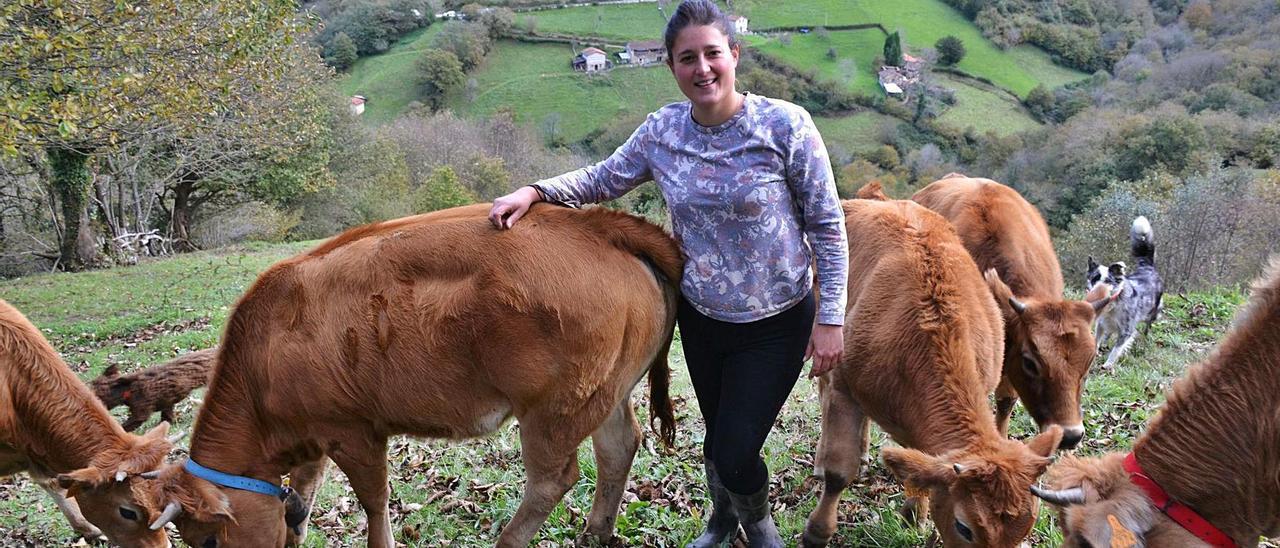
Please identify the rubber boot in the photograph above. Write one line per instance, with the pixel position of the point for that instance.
(757, 521)
(722, 524)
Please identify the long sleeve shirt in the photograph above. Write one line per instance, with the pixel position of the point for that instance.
(743, 196)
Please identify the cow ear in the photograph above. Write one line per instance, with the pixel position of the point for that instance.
(1003, 295)
(918, 470)
(1045, 443)
(84, 478)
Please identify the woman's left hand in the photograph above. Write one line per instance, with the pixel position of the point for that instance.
(826, 347)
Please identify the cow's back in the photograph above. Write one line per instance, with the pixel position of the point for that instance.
(1001, 230)
(917, 307)
(442, 325)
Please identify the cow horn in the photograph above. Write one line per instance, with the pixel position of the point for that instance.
(150, 475)
(1064, 497)
(121, 475)
(174, 439)
(959, 468)
(171, 511)
(1017, 305)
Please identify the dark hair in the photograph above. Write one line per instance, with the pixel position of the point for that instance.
(699, 13)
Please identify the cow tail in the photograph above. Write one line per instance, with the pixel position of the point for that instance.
(660, 406)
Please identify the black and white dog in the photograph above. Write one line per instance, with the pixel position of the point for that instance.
(1137, 296)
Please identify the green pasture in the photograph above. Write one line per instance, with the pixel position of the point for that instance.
(389, 80)
(983, 109)
(855, 133)
(622, 22)
(853, 65)
(460, 494)
(536, 82)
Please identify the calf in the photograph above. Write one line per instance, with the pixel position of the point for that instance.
(923, 342)
(436, 325)
(156, 388)
(53, 428)
(1048, 344)
(1211, 456)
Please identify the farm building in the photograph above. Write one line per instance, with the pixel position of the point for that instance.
(649, 51)
(591, 60)
(739, 24)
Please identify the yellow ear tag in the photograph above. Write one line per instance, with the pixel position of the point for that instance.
(1120, 536)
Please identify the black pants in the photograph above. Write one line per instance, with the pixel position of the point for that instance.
(742, 374)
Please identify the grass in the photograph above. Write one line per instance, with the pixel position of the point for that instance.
(983, 109)
(536, 82)
(389, 79)
(461, 494)
(855, 52)
(922, 23)
(855, 133)
(622, 22)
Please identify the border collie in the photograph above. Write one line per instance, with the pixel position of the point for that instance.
(1138, 297)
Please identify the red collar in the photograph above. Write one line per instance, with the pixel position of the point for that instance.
(1178, 512)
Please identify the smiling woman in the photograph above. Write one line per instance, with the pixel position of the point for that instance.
(750, 193)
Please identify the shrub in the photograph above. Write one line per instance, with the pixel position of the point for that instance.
(950, 50)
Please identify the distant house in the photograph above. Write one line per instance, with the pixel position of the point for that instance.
(739, 24)
(896, 80)
(357, 104)
(591, 60)
(643, 53)
(448, 15)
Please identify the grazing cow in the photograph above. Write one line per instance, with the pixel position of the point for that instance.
(156, 388)
(51, 427)
(1211, 457)
(922, 351)
(435, 325)
(1048, 344)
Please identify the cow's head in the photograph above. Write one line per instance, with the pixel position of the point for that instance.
(1098, 506)
(979, 498)
(1049, 348)
(111, 492)
(209, 516)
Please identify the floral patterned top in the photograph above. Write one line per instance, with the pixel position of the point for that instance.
(743, 196)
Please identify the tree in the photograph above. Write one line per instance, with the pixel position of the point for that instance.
(442, 190)
(468, 41)
(832, 54)
(81, 76)
(343, 52)
(766, 83)
(1198, 15)
(950, 50)
(893, 50)
(440, 74)
(499, 20)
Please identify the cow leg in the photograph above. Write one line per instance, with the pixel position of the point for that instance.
(615, 443)
(363, 458)
(1006, 398)
(306, 480)
(549, 448)
(845, 431)
(69, 508)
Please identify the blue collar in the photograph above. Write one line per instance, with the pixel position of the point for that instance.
(235, 482)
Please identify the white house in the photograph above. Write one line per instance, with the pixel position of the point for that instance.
(357, 104)
(593, 59)
(739, 24)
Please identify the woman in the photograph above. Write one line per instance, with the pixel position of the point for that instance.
(746, 180)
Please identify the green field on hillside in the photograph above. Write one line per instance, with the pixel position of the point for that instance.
(535, 81)
(922, 23)
(854, 133)
(621, 22)
(389, 80)
(983, 109)
(855, 52)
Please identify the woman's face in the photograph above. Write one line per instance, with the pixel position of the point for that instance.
(704, 65)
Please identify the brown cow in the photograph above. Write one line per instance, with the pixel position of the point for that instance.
(156, 388)
(52, 426)
(1214, 447)
(436, 325)
(1048, 343)
(922, 351)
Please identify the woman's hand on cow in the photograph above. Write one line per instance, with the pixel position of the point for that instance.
(508, 209)
(826, 347)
